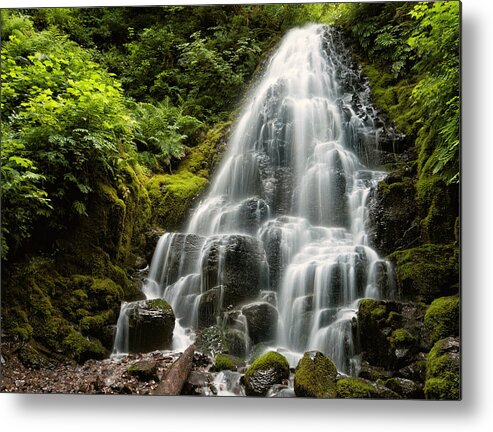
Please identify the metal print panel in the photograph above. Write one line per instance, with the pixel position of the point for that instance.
(242, 200)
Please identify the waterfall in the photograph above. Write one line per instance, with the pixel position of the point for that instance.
(283, 223)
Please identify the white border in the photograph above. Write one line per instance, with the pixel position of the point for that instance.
(473, 413)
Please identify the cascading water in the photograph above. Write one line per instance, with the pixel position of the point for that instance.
(282, 229)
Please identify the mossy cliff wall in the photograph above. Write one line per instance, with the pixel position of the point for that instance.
(64, 304)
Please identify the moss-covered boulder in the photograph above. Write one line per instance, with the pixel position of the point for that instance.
(227, 362)
(442, 318)
(315, 376)
(269, 369)
(354, 388)
(210, 341)
(150, 326)
(443, 370)
(426, 272)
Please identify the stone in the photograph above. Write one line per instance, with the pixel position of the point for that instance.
(315, 376)
(144, 370)
(443, 370)
(150, 326)
(261, 319)
(269, 369)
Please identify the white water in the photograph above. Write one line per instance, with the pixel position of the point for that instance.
(296, 177)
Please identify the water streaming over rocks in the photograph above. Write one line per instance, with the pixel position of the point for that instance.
(277, 251)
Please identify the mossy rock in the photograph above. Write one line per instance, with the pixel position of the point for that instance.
(443, 370)
(315, 376)
(438, 205)
(269, 369)
(227, 362)
(401, 338)
(426, 272)
(442, 318)
(144, 370)
(354, 388)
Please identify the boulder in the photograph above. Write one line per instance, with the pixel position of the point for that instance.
(442, 318)
(315, 376)
(269, 369)
(210, 341)
(405, 388)
(209, 307)
(358, 388)
(236, 262)
(144, 370)
(150, 326)
(443, 370)
(261, 319)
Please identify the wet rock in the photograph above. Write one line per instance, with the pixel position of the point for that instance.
(150, 326)
(238, 263)
(315, 376)
(269, 369)
(262, 319)
(247, 216)
(210, 341)
(236, 342)
(197, 383)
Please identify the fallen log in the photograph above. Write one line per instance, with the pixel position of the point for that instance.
(172, 383)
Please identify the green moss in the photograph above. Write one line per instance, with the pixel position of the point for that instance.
(159, 304)
(354, 388)
(443, 371)
(227, 362)
(270, 360)
(172, 195)
(401, 338)
(315, 376)
(442, 318)
(426, 272)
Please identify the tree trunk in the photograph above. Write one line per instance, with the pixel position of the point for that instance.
(175, 378)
